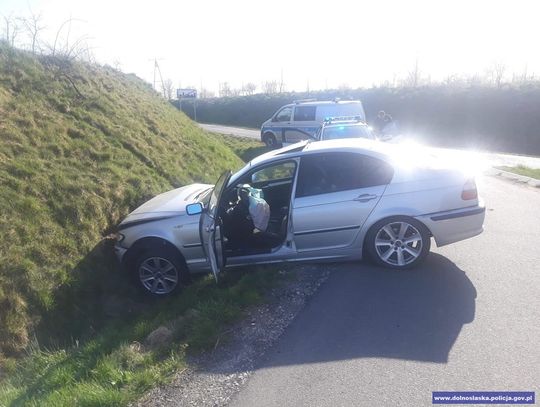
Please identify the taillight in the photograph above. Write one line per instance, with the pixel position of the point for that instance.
(469, 190)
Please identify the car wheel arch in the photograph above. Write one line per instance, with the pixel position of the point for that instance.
(373, 222)
(149, 243)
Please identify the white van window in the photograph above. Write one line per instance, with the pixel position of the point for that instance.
(284, 115)
(304, 113)
(339, 110)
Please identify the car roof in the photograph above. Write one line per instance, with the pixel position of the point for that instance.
(357, 145)
(405, 159)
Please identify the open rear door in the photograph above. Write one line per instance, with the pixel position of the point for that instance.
(210, 227)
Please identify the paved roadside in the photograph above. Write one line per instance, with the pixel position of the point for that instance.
(233, 131)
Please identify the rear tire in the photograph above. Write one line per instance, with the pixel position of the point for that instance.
(159, 272)
(398, 242)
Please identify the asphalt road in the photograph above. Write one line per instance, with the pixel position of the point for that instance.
(489, 159)
(233, 131)
(467, 320)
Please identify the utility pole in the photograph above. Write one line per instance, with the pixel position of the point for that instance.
(157, 71)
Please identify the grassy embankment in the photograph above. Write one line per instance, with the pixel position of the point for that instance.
(81, 146)
(523, 170)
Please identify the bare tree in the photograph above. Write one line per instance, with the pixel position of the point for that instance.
(523, 77)
(71, 49)
(205, 93)
(474, 80)
(168, 89)
(33, 27)
(117, 65)
(249, 88)
(498, 73)
(11, 29)
(237, 92)
(413, 76)
(269, 87)
(225, 89)
(456, 81)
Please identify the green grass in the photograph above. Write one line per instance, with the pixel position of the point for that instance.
(522, 170)
(114, 367)
(80, 147)
(246, 148)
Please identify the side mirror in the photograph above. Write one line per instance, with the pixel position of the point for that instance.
(194, 208)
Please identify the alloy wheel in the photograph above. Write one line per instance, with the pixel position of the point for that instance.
(158, 275)
(398, 243)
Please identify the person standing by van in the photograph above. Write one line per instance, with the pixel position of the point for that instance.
(380, 122)
(384, 124)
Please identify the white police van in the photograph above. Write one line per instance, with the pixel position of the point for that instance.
(302, 119)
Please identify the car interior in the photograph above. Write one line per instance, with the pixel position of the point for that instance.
(240, 236)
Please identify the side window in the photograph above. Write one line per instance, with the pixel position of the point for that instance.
(334, 172)
(284, 115)
(304, 113)
(274, 172)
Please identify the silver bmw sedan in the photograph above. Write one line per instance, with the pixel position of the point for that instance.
(312, 201)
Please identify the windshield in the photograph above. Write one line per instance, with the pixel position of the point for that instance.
(337, 132)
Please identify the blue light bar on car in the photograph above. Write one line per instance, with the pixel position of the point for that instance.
(328, 120)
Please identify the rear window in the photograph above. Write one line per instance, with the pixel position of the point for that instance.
(304, 113)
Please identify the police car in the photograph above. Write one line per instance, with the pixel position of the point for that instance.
(344, 127)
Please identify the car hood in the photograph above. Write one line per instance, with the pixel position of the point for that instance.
(167, 204)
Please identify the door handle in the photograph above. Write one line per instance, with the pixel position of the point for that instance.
(365, 197)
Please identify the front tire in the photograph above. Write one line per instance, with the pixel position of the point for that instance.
(398, 242)
(159, 272)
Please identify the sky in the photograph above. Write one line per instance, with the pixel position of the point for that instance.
(320, 44)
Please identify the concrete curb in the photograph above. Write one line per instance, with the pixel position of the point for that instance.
(515, 177)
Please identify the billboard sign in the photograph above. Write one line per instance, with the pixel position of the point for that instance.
(186, 93)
